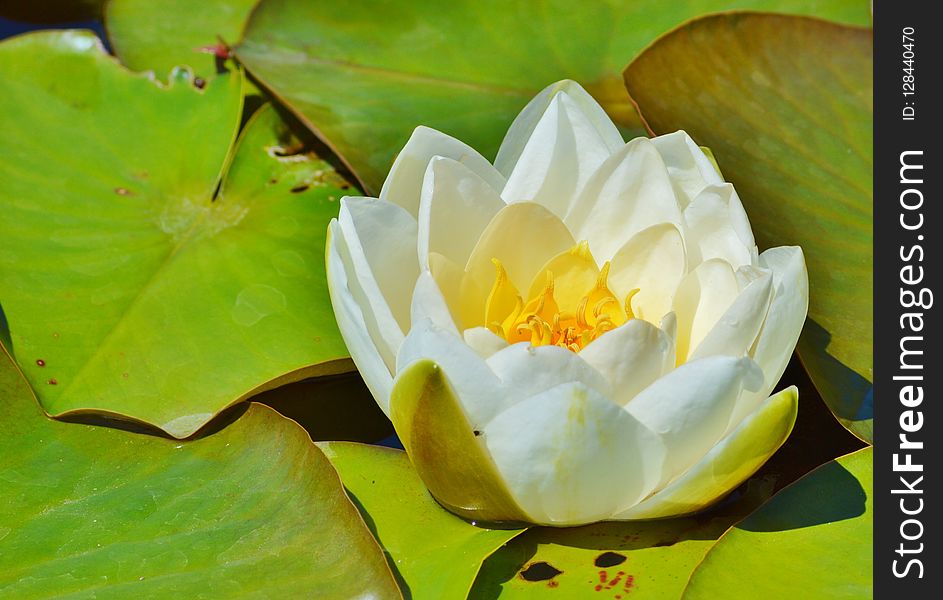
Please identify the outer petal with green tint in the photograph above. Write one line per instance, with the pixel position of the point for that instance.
(448, 455)
(254, 510)
(365, 76)
(812, 540)
(785, 103)
(728, 464)
(436, 554)
(131, 287)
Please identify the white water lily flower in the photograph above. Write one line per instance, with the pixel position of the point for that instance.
(582, 331)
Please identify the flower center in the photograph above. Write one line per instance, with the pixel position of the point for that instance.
(570, 303)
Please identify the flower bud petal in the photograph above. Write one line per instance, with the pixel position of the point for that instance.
(631, 358)
(653, 261)
(629, 192)
(728, 464)
(349, 312)
(448, 455)
(783, 323)
(456, 205)
(691, 406)
(701, 299)
(568, 455)
(735, 331)
(690, 169)
(403, 185)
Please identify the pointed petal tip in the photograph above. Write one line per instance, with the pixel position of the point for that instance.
(424, 131)
(564, 86)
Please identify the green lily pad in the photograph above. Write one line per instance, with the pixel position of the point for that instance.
(611, 561)
(812, 540)
(785, 103)
(366, 75)
(158, 35)
(254, 510)
(436, 554)
(130, 286)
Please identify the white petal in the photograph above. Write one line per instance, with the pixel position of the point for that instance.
(428, 302)
(690, 169)
(570, 456)
(524, 124)
(526, 370)
(740, 221)
(563, 151)
(386, 333)
(701, 299)
(376, 373)
(669, 324)
(404, 183)
(523, 237)
(484, 341)
(381, 238)
(478, 389)
(654, 262)
(449, 278)
(727, 465)
(630, 191)
(455, 207)
(691, 406)
(736, 330)
(717, 227)
(631, 357)
(787, 311)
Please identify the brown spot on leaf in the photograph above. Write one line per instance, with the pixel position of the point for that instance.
(292, 150)
(199, 83)
(300, 188)
(52, 382)
(539, 571)
(609, 559)
(627, 581)
(40, 362)
(220, 50)
(122, 191)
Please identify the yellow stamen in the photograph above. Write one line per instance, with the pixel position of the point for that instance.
(504, 302)
(543, 306)
(541, 320)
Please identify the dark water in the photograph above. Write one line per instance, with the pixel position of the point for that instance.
(9, 27)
